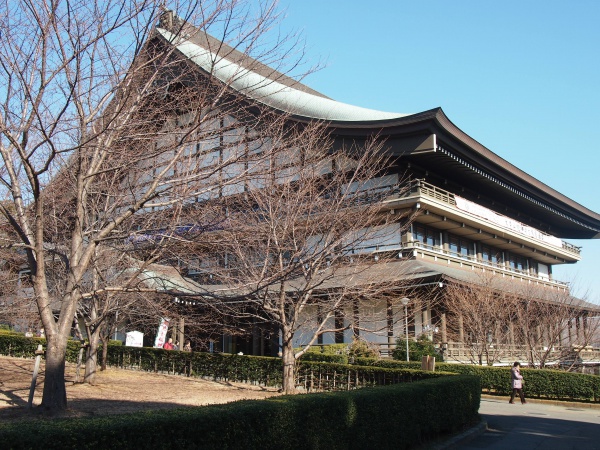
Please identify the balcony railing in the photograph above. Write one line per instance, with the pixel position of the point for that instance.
(506, 354)
(473, 259)
(441, 195)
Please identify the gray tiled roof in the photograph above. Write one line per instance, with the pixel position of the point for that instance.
(399, 272)
(270, 92)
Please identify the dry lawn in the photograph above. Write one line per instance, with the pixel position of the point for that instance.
(116, 391)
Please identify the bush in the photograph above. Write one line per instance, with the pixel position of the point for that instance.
(539, 383)
(289, 422)
(24, 347)
(322, 357)
(328, 376)
(362, 349)
(333, 353)
(416, 349)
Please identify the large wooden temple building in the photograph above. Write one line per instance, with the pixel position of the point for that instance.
(476, 216)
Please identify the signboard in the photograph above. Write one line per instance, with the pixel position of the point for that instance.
(134, 339)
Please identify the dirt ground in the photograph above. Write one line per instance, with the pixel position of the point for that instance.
(116, 391)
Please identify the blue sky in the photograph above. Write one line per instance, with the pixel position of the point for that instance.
(521, 77)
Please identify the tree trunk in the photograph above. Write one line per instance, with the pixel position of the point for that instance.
(54, 398)
(289, 366)
(91, 362)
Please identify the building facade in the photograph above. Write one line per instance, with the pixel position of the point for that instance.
(474, 216)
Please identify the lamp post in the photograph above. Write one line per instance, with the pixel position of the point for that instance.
(405, 301)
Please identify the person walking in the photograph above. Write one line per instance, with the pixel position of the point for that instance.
(517, 383)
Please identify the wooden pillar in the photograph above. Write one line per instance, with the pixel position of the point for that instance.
(256, 334)
(418, 318)
(174, 332)
(339, 323)
(444, 330)
(356, 318)
(461, 329)
(319, 321)
(390, 323)
(181, 333)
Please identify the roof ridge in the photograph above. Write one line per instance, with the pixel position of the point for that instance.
(179, 27)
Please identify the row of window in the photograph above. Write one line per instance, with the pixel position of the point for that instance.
(467, 248)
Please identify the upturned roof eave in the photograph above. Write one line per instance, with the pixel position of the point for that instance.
(516, 176)
(436, 121)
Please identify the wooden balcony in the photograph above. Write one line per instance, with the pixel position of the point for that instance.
(439, 209)
(419, 250)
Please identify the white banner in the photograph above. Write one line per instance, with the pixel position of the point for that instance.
(505, 222)
(161, 336)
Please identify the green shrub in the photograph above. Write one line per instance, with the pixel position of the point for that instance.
(332, 373)
(416, 349)
(539, 383)
(362, 349)
(322, 357)
(334, 349)
(289, 422)
(333, 353)
(328, 376)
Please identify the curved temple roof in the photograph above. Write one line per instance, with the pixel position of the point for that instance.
(272, 93)
(277, 91)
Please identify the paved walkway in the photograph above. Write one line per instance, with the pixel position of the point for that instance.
(536, 425)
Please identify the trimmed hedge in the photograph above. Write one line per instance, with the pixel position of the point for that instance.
(322, 357)
(266, 371)
(382, 417)
(24, 347)
(219, 366)
(16, 344)
(333, 353)
(328, 376)
(539, 383)
(261, 370)
(549, 384)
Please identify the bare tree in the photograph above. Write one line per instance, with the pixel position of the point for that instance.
(106, 129)
(298, 250)
(494, 318)
(480, 317)
(553, 326)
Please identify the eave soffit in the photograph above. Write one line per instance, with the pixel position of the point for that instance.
(420, 127)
